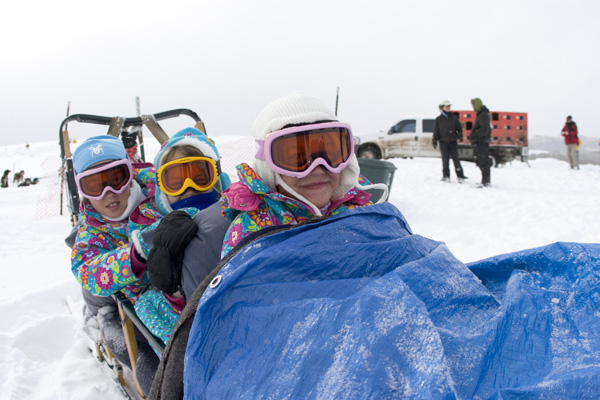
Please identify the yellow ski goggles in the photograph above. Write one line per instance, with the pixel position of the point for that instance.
(199, 173)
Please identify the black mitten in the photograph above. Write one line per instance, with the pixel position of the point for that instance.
(174, 233)
(129, 139)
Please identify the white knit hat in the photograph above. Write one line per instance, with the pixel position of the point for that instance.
(298, 108)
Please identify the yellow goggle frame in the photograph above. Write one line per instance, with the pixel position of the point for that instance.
(176, 176)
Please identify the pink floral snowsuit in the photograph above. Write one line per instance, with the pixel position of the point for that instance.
(251, 206)
(102, 258)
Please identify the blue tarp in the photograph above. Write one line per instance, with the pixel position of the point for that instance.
(357, 307)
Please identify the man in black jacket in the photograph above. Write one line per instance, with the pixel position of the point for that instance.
(447, 131)
(480, 137)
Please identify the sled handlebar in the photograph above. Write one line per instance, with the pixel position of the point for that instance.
(127, 122)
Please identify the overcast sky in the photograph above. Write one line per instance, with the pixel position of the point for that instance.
(228, 59)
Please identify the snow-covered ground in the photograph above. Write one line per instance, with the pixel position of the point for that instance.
(44, 352)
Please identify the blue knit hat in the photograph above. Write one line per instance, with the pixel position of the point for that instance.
(96, 149)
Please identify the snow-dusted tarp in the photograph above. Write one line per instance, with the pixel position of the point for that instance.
(357, 307)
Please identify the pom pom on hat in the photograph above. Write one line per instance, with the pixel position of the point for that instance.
(97, 149)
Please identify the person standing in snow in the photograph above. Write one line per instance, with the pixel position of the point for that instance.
(447, 131)
(481, 134)
(569, 132)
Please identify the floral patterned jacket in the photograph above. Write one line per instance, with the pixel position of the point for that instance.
(251, 206)
(102, 258)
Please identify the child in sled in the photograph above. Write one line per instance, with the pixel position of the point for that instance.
(305, 167)
(190, 183)
(103, 260)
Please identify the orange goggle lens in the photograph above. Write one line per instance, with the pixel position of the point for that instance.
(295, 152)
(116, 175)
(199, 173)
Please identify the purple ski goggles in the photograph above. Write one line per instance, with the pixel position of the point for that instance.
(298, 150)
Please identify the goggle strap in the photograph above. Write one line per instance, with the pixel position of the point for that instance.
(260, 149)
(219, 168)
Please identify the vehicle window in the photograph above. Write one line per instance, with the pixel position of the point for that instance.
(406, 125)
(428, 125)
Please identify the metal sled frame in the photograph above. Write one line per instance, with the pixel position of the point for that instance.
(116, 126)
(129, 319)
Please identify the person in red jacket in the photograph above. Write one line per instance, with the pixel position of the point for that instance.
(569, 131)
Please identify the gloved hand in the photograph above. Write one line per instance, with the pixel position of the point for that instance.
(435, 145)
(129, 139)
(174, 233)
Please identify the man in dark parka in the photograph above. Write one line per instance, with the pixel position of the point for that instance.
(480, 137)
(447, 131)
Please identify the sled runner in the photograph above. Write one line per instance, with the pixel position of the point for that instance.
(103, 354)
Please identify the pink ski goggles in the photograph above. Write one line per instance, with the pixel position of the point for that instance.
(114, 176)
(298, 150)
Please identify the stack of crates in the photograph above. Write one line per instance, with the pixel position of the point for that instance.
(508, 128)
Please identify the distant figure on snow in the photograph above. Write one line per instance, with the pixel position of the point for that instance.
(5, 178)
(29, 181)
(569, 131)
(18, 177)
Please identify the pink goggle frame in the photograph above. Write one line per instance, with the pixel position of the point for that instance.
(103, 169)
(264, 148)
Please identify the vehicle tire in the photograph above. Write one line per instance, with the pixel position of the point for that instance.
(369, 151)
(493, 162)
